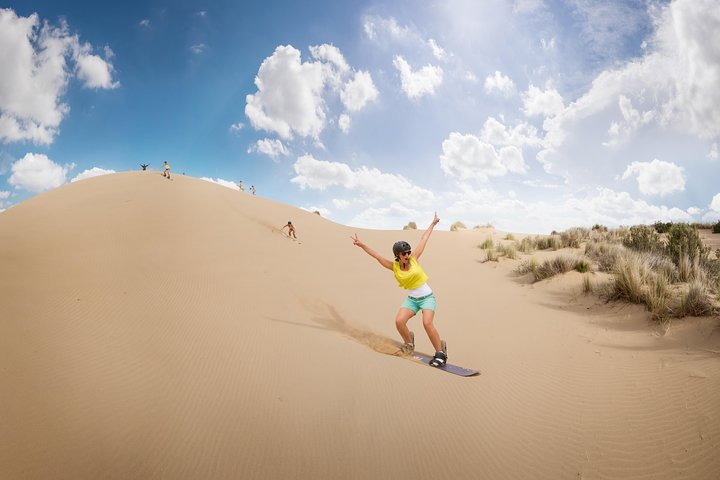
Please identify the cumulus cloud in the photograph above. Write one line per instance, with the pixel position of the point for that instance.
(715, 203)
(602, 205)
(499, 134)
(466, 157)
(674, 84)
(370, 184)
(656, 177)
(36, 73)
(632, 120)
(270, 147)
(418, 83)
(344, 122)
(92, 172)
(37, 173)
(500, 83)
(358, 92)
(291, 96)
(547, 103)
(221, 182)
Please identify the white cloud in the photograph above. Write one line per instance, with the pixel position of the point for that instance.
(420, 82)
(656, 177)
(270, 147)
(466, 157)
(344, 122)
(198, 48)
(93, 70)
(358, 92)
(289, 97)
(236, 127)
(340, 204)
(391, 217)
(523, 134)
(715, 203)
(499, 82)
(324, 212)
(35, 75)
(693, 210)
(144, 23)
(221, 182)
(547, 103)
(377, 26)
(291, 94)
(37, 173)
(603, 206)
(547, 45)
(527, 6)
(370, 184)
(330, 54)
(92, 172)
(437, 51)
(677, 79)
(713, 153)
(633, 119)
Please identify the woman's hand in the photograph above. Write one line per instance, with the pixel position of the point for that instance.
(436, 219)
(357, 241)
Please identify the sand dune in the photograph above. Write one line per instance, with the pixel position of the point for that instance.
(156, 329)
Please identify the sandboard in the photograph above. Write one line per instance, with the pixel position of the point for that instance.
(448, 367)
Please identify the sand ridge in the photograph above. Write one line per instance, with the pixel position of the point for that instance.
(156, 329)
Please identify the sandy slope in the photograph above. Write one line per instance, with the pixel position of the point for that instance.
(156, 329)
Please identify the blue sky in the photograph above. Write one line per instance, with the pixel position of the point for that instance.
(530, 115)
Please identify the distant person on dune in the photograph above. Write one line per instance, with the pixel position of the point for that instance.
(291, 230)
(410, 276)
(241, 186)
(166, 172)
(252, 189)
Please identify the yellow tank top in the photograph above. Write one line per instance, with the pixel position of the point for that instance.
(411, 279)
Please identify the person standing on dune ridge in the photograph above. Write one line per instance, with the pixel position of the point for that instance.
(410, 276)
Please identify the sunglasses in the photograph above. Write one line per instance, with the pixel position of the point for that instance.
(406, 253)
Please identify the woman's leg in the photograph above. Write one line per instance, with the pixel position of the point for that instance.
(432, 333)
(401, 319)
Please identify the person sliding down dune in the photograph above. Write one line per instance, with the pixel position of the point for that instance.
(412, 278)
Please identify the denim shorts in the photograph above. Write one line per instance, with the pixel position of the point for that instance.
(423, 303)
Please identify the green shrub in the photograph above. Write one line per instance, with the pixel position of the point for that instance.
(630, 274)
(555, 266)
(716, 227)
(410, 226)
(684, 239)
(528, 266)
(661, 227)
(642, 238)
(487, 243)
(492, 255)
(526, 245)
(696, 301)
(582, 266)
(457, 226)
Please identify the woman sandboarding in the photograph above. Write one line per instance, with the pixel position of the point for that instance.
(410, 276)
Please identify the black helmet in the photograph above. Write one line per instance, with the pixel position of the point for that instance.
(401, 246)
